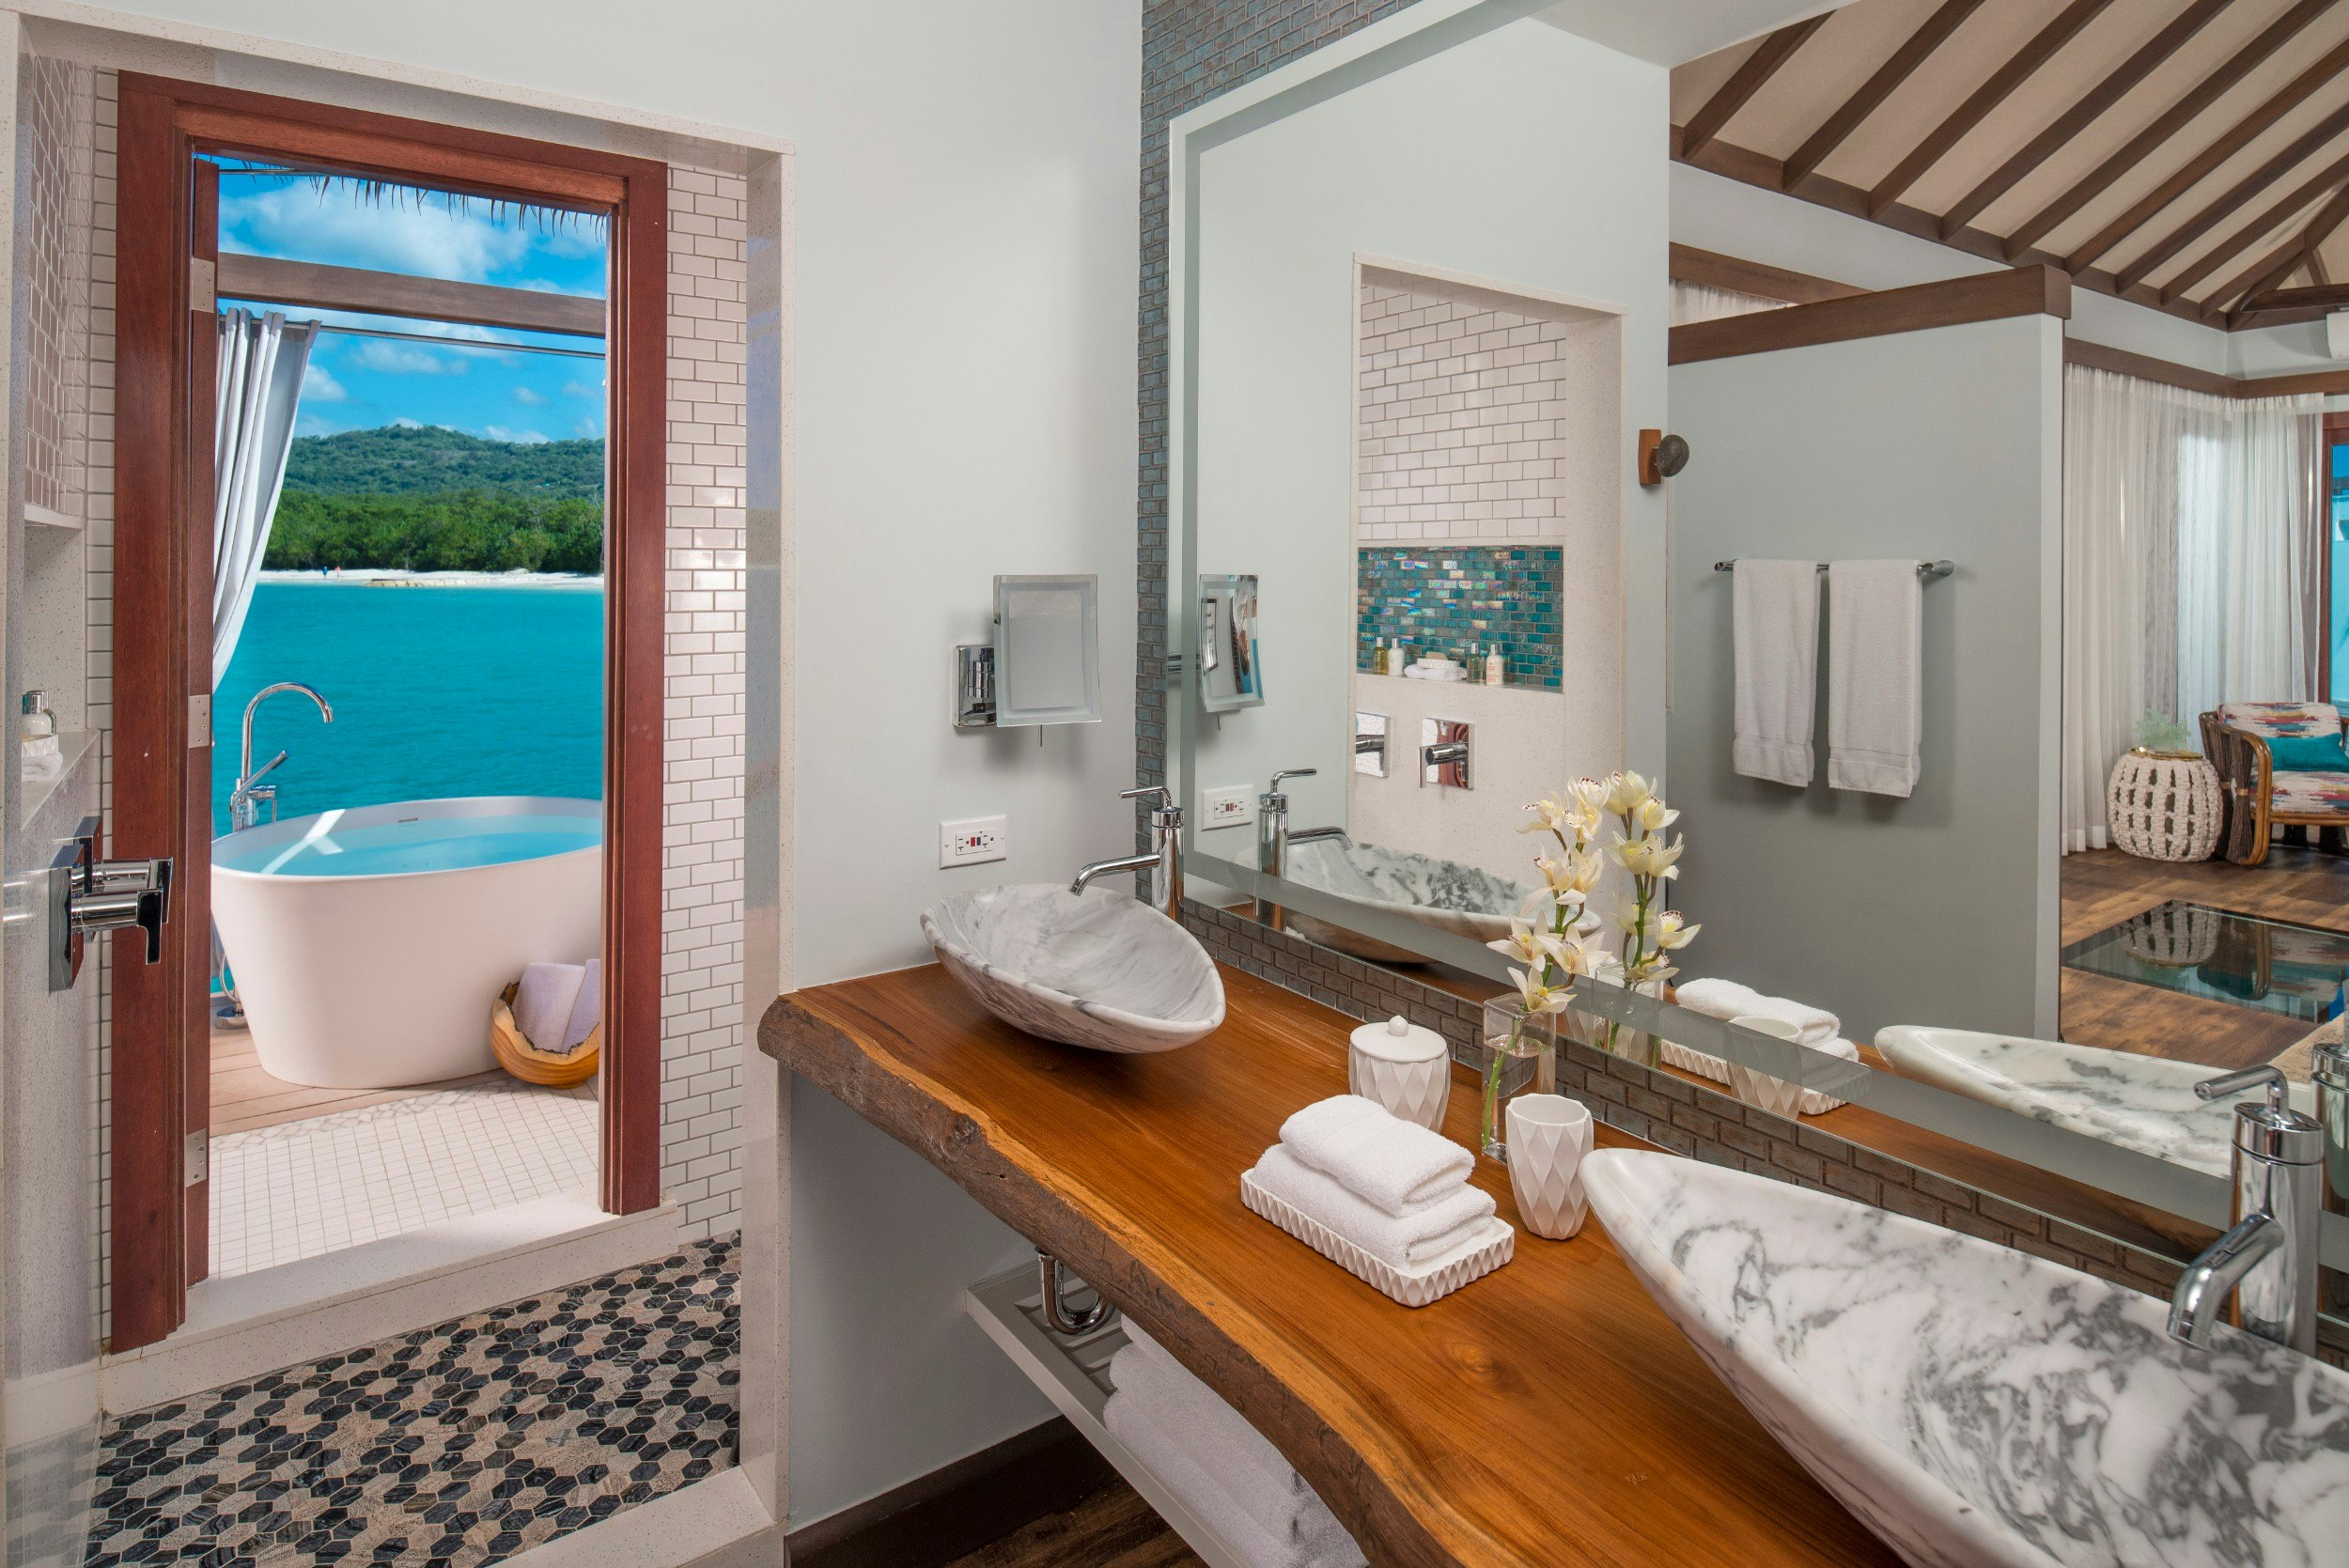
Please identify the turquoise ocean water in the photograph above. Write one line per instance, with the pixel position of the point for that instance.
(437, 692)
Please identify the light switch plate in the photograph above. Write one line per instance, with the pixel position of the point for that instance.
(1229, 807)
(974, 841)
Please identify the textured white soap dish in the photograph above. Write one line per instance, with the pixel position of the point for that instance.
(1415, 1286)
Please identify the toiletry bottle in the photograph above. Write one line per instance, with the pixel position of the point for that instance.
(36, 722)
(1493, 667)
(1377, 658)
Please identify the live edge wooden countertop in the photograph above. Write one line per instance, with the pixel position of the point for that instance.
(1548, 1413)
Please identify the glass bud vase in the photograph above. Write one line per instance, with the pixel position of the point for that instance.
(1519, 1057)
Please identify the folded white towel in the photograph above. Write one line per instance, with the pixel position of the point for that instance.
(1874, 676)
(1727, 998)
(1177, 1466)
(587, 1010)
(1429, 1231)
(1387, 1162)
(544, 999)
(1774, 636)
(1232, 1456)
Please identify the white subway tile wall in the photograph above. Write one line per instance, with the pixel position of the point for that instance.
(705, 714)
(1464, 431)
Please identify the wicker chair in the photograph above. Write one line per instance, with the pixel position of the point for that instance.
(2259, 800)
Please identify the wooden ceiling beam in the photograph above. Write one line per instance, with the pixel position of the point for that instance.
(1747, 80)
(1913, 52)
(2323, 296)
(2234, 140)
(2330, 178)
(2081, 115)
(2317, 274)
(2267, 270)
(1978, 105)
(2301, 147)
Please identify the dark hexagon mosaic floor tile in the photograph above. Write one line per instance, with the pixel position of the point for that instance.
(460, 1446)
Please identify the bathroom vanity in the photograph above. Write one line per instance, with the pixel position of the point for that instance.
(1548, 1413)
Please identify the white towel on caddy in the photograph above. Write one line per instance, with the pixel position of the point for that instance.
(1874, 676)
(1774, 629)
(1717, 998)
(1406, 1240)
(1387, 1162)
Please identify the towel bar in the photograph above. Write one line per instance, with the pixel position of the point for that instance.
(1926, 569)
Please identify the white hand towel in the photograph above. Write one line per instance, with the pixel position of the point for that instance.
(588, 1011)
(1874, 676)
(1428, 1232)
(1727, 998)
(1233, 1455)
(1774, 619)
(544, 999)
(1387, 1162)
(1178, 1467)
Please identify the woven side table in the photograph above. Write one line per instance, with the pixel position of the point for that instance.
(2165, 805)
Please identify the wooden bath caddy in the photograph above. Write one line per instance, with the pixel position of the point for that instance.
(518, 1056)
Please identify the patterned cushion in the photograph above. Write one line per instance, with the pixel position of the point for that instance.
(2281, 718)
(2310, 794)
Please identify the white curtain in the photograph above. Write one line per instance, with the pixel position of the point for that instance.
(262, 362)
(2191, 553)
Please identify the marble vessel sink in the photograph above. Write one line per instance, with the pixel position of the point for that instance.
(2145, 1103)
(1099, 970)
(1973, 1404)
(1443, 894)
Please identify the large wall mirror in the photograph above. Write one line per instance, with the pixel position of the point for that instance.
(1424, 311)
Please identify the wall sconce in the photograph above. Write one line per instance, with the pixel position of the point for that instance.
(1044, 665)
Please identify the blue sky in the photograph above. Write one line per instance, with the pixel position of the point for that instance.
(362, 382)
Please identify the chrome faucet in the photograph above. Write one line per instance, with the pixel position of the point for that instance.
(246, 800)
(2266, 1264)
(1273, 838)
(1164, 862)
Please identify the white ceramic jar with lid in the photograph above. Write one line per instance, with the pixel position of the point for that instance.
(1404, 1068)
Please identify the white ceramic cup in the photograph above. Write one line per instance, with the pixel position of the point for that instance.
(1548, 1135)
(1773, 1094)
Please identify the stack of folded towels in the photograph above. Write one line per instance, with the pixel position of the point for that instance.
(1391, 1187)
(1815, 1027)
(556, 1005)
(1224, 1471)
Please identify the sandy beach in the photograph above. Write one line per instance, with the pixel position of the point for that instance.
(391, 577)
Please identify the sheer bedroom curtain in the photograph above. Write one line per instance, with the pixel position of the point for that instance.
(2192, 546)
(263, 360)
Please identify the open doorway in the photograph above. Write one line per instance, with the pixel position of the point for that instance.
(408, 660)
(435, 984)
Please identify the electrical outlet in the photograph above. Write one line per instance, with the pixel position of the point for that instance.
(974, 841)
(1230, 807)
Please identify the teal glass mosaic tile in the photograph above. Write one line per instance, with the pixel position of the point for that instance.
(1441, 600)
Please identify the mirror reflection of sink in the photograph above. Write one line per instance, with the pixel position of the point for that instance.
(1444, 895)
(1973, 1404)
(1097, 970)
(2145, 1103)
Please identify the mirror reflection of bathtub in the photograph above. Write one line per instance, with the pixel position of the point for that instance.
(2145, 1103)
(1439, 893)
(368, 944)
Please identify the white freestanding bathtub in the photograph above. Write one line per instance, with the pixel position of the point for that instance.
(368, 945)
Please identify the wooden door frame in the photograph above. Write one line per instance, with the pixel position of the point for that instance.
(162, 800)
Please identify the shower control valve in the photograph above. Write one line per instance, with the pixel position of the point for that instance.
(114, 895)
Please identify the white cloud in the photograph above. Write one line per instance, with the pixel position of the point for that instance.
(405, 359)
(319, 387)
(526, 438)
(309, 423)
(404, 422)
(590, 427)
(530, 397)
(583, 389)
(392, 236)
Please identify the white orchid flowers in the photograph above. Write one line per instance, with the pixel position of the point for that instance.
(1556, 940)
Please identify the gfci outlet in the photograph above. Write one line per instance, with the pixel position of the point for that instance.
(974, 841)
(1230, 808)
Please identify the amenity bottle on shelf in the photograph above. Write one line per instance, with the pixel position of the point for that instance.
(1377, 658)
(1493, 667)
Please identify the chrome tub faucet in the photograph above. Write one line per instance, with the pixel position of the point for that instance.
(2266, 1264)
(1164, 861)
(246, 799)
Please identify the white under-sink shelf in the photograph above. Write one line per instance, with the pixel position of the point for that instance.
(1073, 1371)
(72, 747)
(48, 516)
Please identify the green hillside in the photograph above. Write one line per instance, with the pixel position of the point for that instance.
(400, 459)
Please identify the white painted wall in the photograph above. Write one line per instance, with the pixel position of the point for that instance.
(1940, 908)
(964, 381)
(1527, 158)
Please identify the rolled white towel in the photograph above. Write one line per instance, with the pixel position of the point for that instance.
(588, 1011)
(544, 999)
(1727, 998)
(1233, 1455)
(1177, 1466)
(1429, 1231)
(1389, 1163)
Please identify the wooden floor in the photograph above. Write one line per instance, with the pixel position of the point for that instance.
(2105, 887)
(244, 1097)
(1112, 1529)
